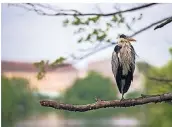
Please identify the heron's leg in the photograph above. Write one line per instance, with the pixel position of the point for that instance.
(122, 97)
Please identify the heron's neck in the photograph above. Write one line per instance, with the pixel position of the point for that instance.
(124, 44)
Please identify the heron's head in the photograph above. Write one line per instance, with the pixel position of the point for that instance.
(124, 39)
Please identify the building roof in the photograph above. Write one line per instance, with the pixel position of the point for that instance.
(13, 66)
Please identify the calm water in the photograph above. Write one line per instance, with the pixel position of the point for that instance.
(52, 120)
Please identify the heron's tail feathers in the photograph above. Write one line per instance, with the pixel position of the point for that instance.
(128, 80)
(124, 82)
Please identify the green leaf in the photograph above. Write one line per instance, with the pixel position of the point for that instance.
(108, 40)
(42, 64)
(65, 22)
(122, 20)
(80, 40)
(170, 50)
(79, 30)
(76, 21)
(88, 37)
(101, 38)
(94, 19)
(95, 31)
(36, 64)
(120, 15)
(114, 18)
(39, 64)
(60, 60)
(40, 75)
(108, 24)
(86, 22)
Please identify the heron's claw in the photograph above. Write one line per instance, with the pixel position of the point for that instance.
(122, 99)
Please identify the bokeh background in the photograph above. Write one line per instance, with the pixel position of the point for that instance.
(29, 37)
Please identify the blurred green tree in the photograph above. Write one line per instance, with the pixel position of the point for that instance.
(143, 67)
(17, 100)
(159, 115)
(84, 91)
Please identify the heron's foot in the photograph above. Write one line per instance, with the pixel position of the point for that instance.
(122, 98)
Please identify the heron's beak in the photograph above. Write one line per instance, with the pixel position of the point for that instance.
(131, 39)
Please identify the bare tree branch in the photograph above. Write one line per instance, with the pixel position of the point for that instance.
(149, 26)
(164, 23)
(76, 13)
(167, 97)
(95, 51)
(112, 43)
(160, 79)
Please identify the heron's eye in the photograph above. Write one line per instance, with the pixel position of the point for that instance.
(122, 40)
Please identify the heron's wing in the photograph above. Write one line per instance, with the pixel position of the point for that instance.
(115, 63)
(133, 54)
(117, 70)
(129, 76)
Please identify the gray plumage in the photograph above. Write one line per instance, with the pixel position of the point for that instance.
(123, 64)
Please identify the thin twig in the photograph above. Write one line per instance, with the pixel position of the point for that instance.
(106, 104)
(113, 43)
(75, 13)
(151, 25)
(163, 24)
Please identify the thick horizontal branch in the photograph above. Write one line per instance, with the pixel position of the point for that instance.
(160, 79)
(77, 13)
(105, 104)
(163, 24)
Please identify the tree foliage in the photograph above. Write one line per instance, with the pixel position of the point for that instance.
(159, 115)
(85, 91)
(17, 100)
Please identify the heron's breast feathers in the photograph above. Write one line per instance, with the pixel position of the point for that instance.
(126, 58)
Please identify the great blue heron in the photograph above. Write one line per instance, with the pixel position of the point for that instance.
(123, 63)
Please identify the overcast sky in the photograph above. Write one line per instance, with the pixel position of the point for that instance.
(27, 36)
